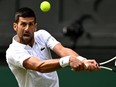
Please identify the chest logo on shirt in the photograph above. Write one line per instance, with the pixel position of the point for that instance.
(42, 48)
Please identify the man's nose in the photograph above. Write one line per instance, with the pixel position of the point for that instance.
(27, 27)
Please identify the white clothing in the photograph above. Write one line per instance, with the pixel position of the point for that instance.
(17, 53)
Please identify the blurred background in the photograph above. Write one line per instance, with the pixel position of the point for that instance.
(86, 26)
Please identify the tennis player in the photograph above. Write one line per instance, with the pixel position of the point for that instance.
(29, 57)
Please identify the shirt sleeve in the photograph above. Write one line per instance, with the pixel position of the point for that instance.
(48, 39)
(51, 42)
(16, 57)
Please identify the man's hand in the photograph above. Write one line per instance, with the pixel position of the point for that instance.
(76, 64)
(91, 64)
(86, 64)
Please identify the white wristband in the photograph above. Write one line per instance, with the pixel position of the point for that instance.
(64, 61)
(80, 58)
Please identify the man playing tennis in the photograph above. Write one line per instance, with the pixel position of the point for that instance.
(29, 57)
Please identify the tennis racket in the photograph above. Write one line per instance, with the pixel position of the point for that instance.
(102, 65)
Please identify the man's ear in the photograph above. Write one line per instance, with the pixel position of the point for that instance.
(15, 26)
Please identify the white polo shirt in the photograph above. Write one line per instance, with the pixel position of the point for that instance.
(17, 53)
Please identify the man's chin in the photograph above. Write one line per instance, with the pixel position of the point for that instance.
(26, 40)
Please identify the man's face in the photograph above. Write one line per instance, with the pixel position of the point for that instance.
(25, 29)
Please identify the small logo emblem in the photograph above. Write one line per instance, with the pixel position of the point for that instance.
(42, 48)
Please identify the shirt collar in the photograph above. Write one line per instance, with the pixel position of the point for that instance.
(14, 40)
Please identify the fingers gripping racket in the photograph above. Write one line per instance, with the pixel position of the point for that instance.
(102, 65)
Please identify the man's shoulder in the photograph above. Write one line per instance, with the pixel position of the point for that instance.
(41, 35)
(40, 31)
(14, 47)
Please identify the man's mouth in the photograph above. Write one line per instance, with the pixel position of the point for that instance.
(26, 35)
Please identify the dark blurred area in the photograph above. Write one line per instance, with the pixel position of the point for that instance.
(86, 26)
(76, 30)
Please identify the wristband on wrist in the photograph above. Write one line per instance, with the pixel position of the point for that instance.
(64, 61)
(80, 58)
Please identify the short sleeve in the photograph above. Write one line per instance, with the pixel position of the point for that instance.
(51, 42)
(47, 38)
(16, 57)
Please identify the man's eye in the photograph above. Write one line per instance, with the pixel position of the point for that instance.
(30, 24)
(23, 24)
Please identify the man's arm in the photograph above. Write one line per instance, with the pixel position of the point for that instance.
(68, 58)
(43, 66)
(63, 51)
(50, 65)
(91, 64)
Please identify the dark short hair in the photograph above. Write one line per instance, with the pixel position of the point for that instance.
(24, 12)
